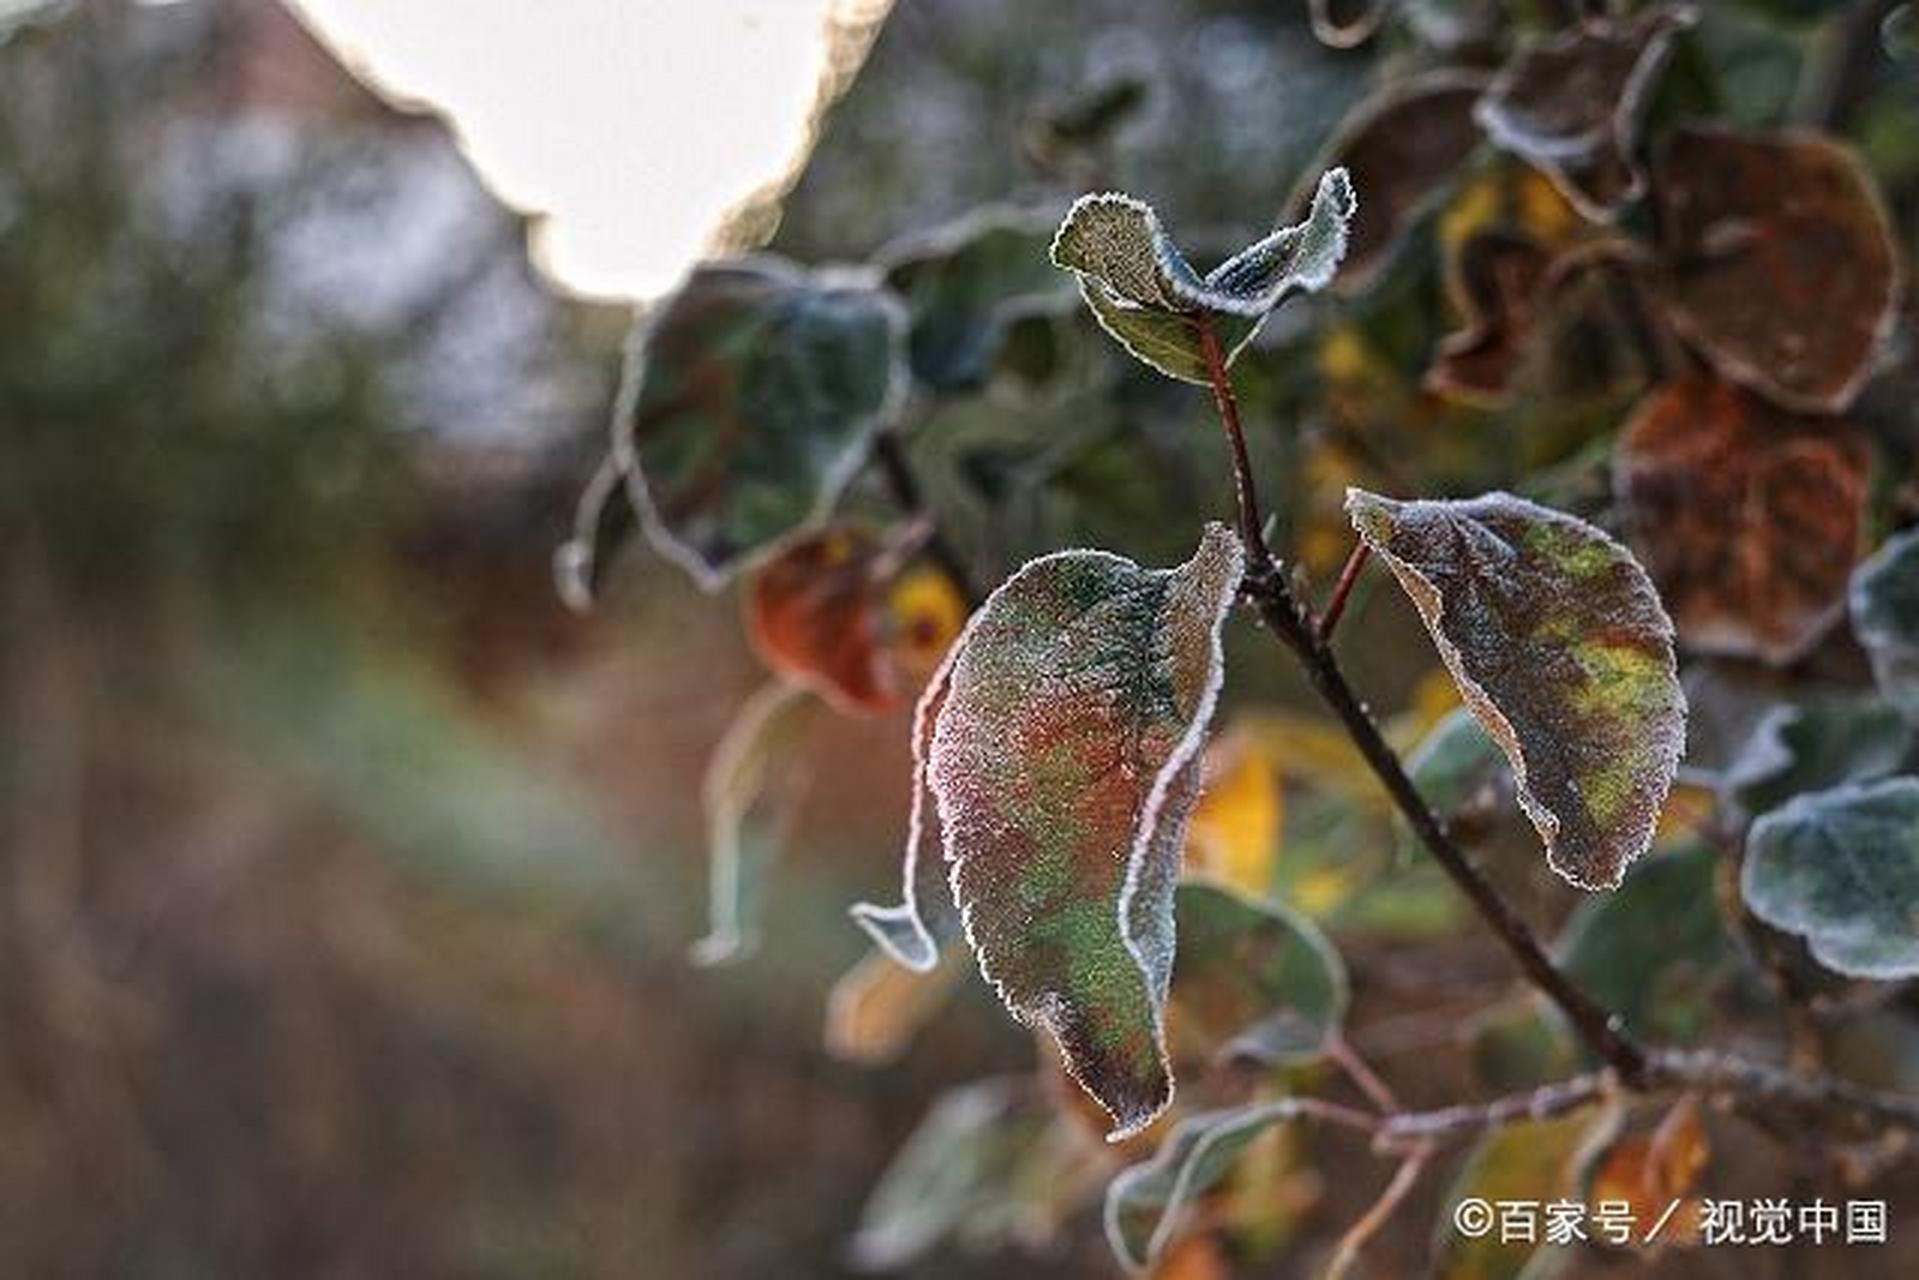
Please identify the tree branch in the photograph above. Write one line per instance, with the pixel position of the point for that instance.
(1266, 588)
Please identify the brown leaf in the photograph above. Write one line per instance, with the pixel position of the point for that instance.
(1570, 103)
(1650, 1172)
(1495, 283)
(1780, 263)
(810, 615)
(1748, 517)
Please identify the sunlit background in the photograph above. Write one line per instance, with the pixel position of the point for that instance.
(631, 127)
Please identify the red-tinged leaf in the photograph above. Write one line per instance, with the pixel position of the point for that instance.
(1780, 263)
(751, 397)
(1402, 148)
(1066, 762)
(1749, 517)
(1651, 1172)
(1560, 647)
(811, 613)
(1570, 104)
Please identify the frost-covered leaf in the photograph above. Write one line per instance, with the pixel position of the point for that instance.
(1234, 832)
(1656, 950)
(1066, 762)
(813, 614)
(1570, 103)
(878, 1005)
(1456, 768)
(602, 523)
(1346, 24)
(1147, 1203)
(1495, 282)
(1841, 868)
(1530, 1161)
(1780, 263)
(1559, 645)
(964, 283)
(1402, 148)
(754, 784)
(1885, 616)
(1144, 292)
(751, 397)
(1254, 981)
(1815, 745)
(913, 932)
(987, 1167)
(1749, 517)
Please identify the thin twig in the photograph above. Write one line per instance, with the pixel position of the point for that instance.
(1343, 590)
(1346, 1252)
(1603, 1032)
(897, 471)
(1347, 1059)
(1411, 1129)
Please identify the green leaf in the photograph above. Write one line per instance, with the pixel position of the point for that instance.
(1816, 745)
(1065, 761)
(1254, 981)
(1530, 1161)
(1569, 103)
(754, 784)
(1656, 951)
(1144, 292)
(1455, 767)
(986, 1166)
(1884, 600)
(1560, 647)
(1146, 1203)
(1841, 868)
(751, 397)
(965, 284)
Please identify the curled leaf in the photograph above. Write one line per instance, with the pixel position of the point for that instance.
(1066, 762)
(754, 784)
(1570, 104)
(1749, 516)
(602, 523)
(1885, 616)
(1254, 981)
(912, 932)
(750, 399)
(1781, 267)
(1496, 282)
(1841, 868)
(1401, 148)
(1651, 1173)
(1148, 1202)
(1559, 646)
(1346, 24)
(1143, 291)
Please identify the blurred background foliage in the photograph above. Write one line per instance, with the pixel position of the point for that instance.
(350, 879)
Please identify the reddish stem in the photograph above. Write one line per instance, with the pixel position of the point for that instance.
(1343, 589)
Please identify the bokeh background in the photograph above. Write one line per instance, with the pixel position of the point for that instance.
(347, 879)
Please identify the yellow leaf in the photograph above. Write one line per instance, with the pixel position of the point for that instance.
(1234, 833)
(924, 613)
(1650, 1172)
(878, 1004)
